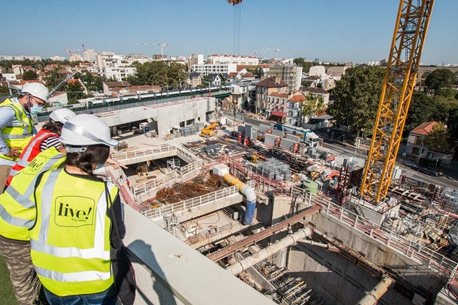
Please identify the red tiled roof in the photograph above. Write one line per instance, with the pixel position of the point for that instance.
(424, 128)
(297, 98)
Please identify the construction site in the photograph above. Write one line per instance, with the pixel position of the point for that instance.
(294, 221)
(288, 221)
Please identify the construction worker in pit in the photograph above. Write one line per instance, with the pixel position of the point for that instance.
(47, 136)
(16, 125)
(78, 219)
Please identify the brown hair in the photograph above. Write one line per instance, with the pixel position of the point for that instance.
(94, 154)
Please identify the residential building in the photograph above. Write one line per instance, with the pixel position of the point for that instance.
(276, 106)
(290, 74)
(318, 71)
(206, 69)
(90, 55)
(19, 57)
(416, 148)
(294, 109)
(58, 99)
(232, 59)
(194, 79)
(118, 73)
(317, 92)
(108, 59)
(264, 89)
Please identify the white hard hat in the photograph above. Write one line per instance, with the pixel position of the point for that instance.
(37, 90)
(62, 115)
(84, 130)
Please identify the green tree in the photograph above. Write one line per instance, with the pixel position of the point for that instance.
(438, 139)
(153, 73)
(74, 90)
(438, 79)
(176, 75)
(53, 78)
(421, 110)
(304, 64)
(311, 105)
(356, 98)
(29, 75)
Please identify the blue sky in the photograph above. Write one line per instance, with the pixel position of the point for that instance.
(331, 30)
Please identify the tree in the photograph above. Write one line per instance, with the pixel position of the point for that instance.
(356, 98)
(74, 90)
(438, 79)
(421, 110)
(53, 78)
(304, 64)
(438, 138)
(176, 74)
(29, 75)
(153, 73)
(311, 105)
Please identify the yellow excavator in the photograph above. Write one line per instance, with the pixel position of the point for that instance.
(209, 131)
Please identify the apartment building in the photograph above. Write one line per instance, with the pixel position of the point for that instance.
(266, 88)
(232, 59)
(206, 69)
(290, 74)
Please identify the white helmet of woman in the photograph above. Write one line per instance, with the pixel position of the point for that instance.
(84, 130)
(37, 90)
(62, 115)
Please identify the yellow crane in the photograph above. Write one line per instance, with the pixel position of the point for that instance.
(401, 72)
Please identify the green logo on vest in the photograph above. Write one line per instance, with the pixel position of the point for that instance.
(74, 211)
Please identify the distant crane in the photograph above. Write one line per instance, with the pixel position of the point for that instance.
(161, 44)
(70, 51)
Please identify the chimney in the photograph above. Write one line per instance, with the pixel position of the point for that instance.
(277, 79)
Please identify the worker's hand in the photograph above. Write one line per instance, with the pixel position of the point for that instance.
(115, 164)
(14, 152)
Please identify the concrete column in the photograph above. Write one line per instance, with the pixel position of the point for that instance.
(377, 292)
(269, 251)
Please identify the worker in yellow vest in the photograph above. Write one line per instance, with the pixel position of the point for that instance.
(16, 125)
(17, 215)
(76, 210)
(47, 137)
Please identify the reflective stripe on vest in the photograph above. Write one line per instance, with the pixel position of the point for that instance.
(71, 238)
(19, 133)
(30, 151)
(17, 207)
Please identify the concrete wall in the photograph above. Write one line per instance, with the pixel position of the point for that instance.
(338, 281)
(166, 115)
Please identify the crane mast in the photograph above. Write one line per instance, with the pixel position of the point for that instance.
(401, 72)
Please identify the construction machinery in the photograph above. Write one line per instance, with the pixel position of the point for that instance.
(209, 131)
(401, 72)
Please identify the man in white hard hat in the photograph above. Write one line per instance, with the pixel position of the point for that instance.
(16, 125)
(47, 137)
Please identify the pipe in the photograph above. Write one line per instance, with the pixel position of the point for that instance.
(250, 196)
(289, 240)
(377, 292)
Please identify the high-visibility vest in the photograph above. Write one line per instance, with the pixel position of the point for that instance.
(30, 151)
(20, 132)
(17, 205)
(71, 237)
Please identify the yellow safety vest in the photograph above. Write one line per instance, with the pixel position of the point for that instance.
(20, 132)
(71, 237)
(17, 206)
